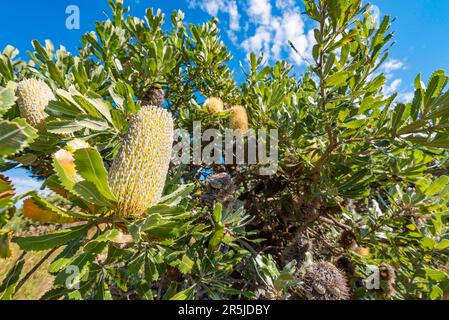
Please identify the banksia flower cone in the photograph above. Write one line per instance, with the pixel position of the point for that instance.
(239, 119)
(33, 97)
(214, 105)
(137, 175)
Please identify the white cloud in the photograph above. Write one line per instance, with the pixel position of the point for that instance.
(265, 32)
(259, 11)
(392, 87)
(234, 16)
(405, 97)
(394, 84)
(211, 7)
(273, 32)
(214, 7)
(393, 65)
(260, 41)
(283, 4)
(290, 27)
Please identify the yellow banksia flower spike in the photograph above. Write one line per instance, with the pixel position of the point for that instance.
(33, 97)
(138, 173)
(214, 105)
(239, 119)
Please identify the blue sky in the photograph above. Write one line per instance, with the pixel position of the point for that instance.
(421, 31)
(261, 25)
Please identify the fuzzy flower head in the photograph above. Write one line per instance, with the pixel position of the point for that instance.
(33, 97)
(239, 119)
(214, 105)
(138, 173)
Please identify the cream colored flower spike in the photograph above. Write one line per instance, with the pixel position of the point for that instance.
(214, 105)
(138, 173)
(239, 119)
(33, 97)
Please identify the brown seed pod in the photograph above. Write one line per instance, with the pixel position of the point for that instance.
(348, 240)
(345, 264)
(219, 188)
(388, 274)
(362, 251)
(153, 97)
(323, 281)
(296, 250)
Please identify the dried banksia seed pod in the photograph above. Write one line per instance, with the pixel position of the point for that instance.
(388, 274)
(153, 97)
(214, 105)
(219, 188)
(348, 240)
(345, 264)
(323, 281)
(269, 294)
(297, 250)
(33, 97)
(138, 173)
(239, 119)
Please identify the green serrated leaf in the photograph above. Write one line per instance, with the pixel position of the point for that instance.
(89, 165)
(184, 295)
(13, 138)
(90, 193)
(7, 100)
(52, 240)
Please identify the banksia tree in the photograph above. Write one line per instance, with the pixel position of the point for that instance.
(214, 105)
(352, 161)
(138, 173)
(33, 97)
(239, 119)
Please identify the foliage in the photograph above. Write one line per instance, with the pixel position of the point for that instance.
(353, 164)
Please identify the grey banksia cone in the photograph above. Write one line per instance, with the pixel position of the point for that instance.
(153, 97)
(323, 281)
(220, 188)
